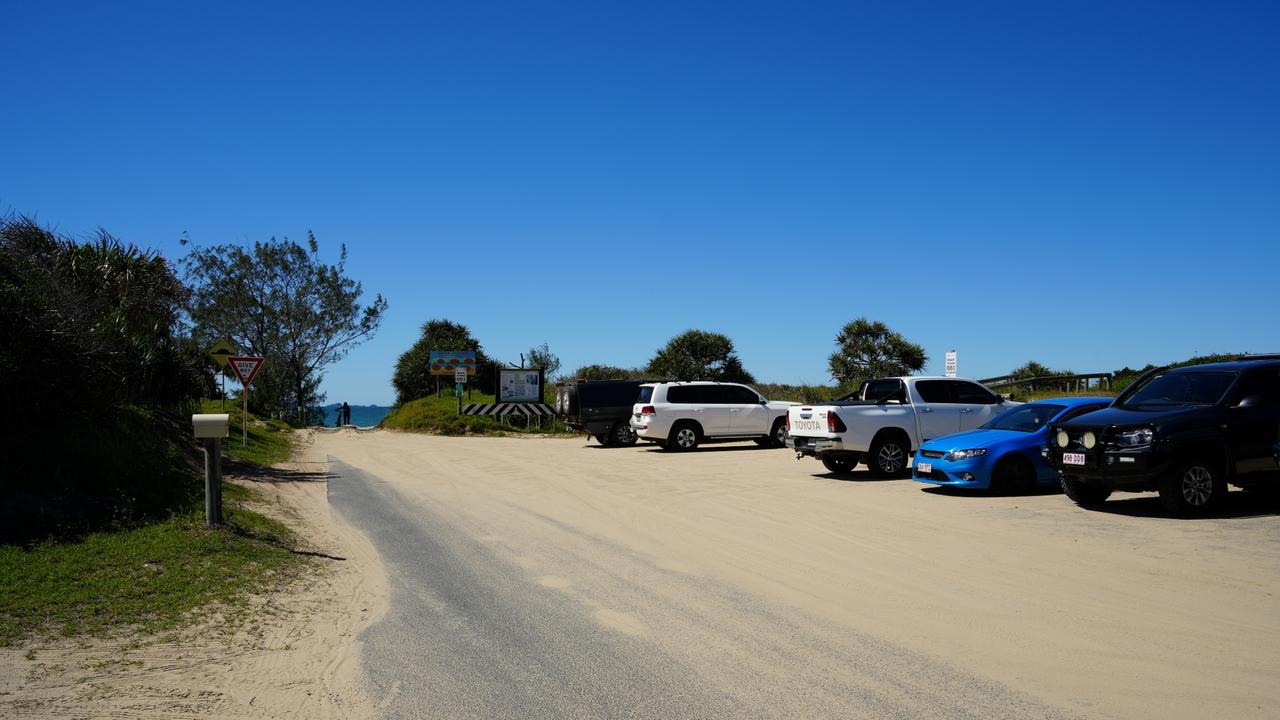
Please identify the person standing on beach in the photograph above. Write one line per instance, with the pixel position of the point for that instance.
(345, 415)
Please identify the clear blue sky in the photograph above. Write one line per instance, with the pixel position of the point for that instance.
(1090, 185)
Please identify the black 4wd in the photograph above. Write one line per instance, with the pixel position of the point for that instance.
(1185, 432)
(599, 407)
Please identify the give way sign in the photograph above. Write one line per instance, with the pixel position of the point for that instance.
(244, 368)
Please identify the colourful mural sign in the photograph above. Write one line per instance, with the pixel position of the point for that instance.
(446, 362)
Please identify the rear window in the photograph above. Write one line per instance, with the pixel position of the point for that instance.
(880, 389)
(646, 394)
(695, 394)
(933, 391)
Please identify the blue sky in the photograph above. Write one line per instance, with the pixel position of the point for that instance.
(1090, 185)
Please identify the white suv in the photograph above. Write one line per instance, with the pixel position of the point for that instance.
(681, 415)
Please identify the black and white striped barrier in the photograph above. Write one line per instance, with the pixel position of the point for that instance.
(499, 409)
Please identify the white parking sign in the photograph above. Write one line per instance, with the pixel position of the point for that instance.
(460, 375)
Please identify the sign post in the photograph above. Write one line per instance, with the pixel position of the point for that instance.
(460, 382)
(245, 368)
(220, 351)
(951, 363)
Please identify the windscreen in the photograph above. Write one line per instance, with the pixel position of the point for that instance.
(1185, 387)
(1024, 418)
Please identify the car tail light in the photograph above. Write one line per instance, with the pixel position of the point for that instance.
(648, 410)
(834, 423)
(788, 423)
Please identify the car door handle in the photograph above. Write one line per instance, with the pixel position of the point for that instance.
(926, 410)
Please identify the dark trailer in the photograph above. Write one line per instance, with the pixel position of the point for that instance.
(599, 407)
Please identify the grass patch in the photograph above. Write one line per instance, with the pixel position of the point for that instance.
(439, 415)
(270, 441)
(147, 577)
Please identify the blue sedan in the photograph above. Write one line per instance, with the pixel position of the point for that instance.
(1003, 454)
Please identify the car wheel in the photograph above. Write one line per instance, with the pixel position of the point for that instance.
(1013, 474)
(1083, 494)
(778, 436)
(840, 464)
(1195, 487)
(888, 457)
(622, 435)
(684, 437)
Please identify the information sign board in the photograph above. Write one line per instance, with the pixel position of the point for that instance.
(519, 385)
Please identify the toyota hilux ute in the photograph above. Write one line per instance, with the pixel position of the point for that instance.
(1184, 432)
(887, 419)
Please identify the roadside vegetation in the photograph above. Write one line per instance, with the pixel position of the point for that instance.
(270, 440)
(146, 578)
(101, 498)
(439, 415)
(148, 573)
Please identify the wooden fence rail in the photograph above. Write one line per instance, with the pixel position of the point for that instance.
(1067, 383)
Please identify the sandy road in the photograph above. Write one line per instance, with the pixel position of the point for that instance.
(552, 578)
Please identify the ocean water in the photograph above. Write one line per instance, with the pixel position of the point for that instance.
(362, 415)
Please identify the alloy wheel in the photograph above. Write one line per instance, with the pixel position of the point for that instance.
(625, 435)
(1197, 486)
(891, 458)
(686, 437)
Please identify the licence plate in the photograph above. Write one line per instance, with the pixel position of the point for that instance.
(1072, 458)
(924, 468)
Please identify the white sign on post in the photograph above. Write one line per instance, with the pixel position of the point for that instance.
(460, 375)
(951, 363)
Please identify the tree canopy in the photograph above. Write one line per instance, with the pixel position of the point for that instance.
(608, 372)
(1035, 369)
(87, 326)
(699, 355)
(412, 378)
(276, 299)
(867, 349)
(541, 357)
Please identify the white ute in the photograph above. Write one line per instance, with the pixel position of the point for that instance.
(887, 419)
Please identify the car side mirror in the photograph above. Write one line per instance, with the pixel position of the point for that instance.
(1249, 401)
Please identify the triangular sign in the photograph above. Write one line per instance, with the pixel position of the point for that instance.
(244, 368)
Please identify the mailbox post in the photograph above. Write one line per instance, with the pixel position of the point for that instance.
(210, 429)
